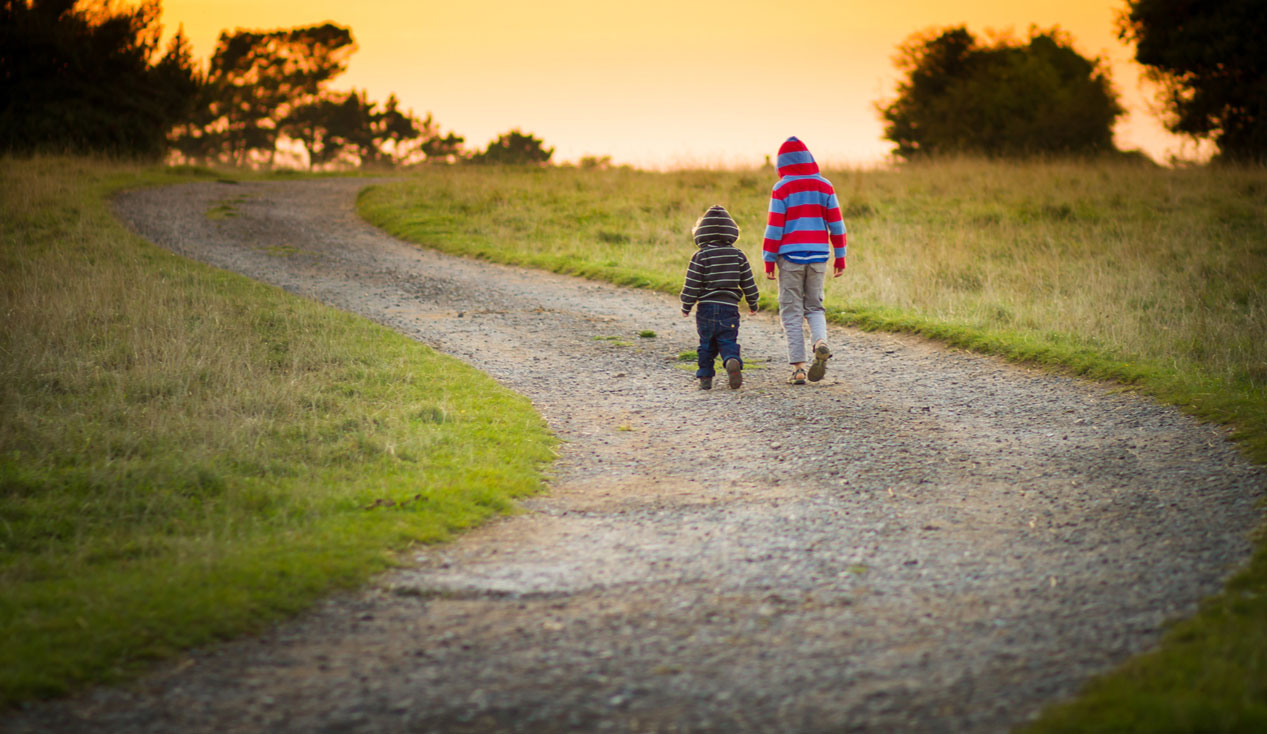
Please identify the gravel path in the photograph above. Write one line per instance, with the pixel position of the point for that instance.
(927, 540)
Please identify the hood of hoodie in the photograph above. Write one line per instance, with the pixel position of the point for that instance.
(795, 159)
(715, 229)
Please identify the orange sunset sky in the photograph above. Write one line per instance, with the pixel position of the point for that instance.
(665, 83)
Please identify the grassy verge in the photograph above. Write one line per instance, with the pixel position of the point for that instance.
(187, 455)
(1153, 278)
(1208, 675)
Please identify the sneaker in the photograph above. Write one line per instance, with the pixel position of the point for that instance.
(797, 378)
(819, 368)
(706, 383)
(734, 372)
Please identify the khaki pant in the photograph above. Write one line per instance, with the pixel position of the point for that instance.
(801, 299)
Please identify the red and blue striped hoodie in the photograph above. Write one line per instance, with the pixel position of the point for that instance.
(804, 225)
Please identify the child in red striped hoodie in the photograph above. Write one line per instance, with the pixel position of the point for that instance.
(804, 229)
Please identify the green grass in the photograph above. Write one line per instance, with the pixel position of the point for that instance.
(1209, 675)
(1149, 277)
(187, 455)
(226, 208)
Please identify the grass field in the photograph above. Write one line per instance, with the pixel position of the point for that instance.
(1150, 277)
(187, 455)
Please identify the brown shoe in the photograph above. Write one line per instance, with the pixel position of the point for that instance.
(734, 372)
(797, 378)
(819, 368)
(706, 383)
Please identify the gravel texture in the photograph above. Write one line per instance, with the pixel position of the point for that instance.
(927, 540)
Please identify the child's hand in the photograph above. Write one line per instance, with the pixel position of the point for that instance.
(685, 314)
(769, 275)
(752, 312)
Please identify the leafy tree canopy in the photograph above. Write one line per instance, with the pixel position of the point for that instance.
(1006, 98)
(255, 80)
(350, 127)
(267, 90)
(1210, 59)
(88, 76)
(514, 148)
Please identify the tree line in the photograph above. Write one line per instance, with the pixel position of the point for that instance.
(80, 76)
(1014, 97)
(90, 78)
(264, 92)
(89, 75)
(1006, 98)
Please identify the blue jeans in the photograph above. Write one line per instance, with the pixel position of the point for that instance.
(718, 327)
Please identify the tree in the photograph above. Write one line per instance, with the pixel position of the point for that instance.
(257, 79)
(514, 148)
(1007, 98)
(353, 127)
(88, 77)
(403, 138)
(440, 148)
(199, 137)
(314, 125)
(266, 88)
(1210, 61)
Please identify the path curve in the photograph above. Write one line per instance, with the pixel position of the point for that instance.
(928, 540)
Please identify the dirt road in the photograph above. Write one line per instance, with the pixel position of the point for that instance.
(925, 541)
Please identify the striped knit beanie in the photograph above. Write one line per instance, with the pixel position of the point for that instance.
(795, 159)
(715, 228)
